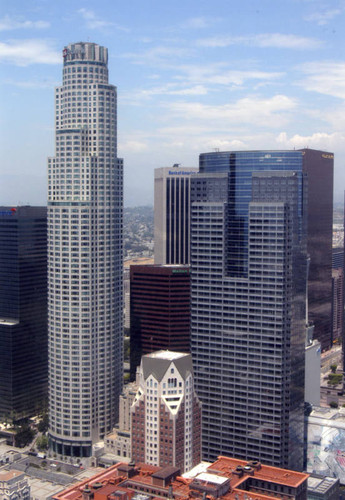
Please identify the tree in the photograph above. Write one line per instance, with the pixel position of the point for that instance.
(334, 368)
(333, 404)
(43, 424)
(42, 443)
(24, 435)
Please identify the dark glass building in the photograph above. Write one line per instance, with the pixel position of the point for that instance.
(160, 310)
(248, 303)
(23, 310)
(318, 165)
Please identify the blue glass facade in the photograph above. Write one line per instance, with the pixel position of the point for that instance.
(240, 166)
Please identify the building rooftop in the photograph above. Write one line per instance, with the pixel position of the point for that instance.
(157, 364)
(169, 355)
(7, 475)
(226, 479)
(321, 484)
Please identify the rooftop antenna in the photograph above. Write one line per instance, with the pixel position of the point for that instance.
(176, 165)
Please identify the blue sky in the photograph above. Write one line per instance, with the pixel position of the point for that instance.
(192, 76)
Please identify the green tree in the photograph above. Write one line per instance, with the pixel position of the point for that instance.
(42, 443)
(24, 435)
(333, 404)
(43, 424)
(334, 368)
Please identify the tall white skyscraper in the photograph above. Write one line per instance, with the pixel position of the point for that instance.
(85, 200)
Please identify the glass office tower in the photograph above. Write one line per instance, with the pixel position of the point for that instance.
(248, 274)
(85, 198)
(23, 311)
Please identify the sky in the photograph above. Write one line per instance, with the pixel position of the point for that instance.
(192, 76)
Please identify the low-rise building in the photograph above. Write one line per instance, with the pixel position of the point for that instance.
(14, 485)
(225, 479)
(323, 488)
(326, 442)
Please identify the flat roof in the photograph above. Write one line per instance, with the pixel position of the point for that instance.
(169, 355)
(218, 473)
(10, 474)
(321, 484)
(212, 478)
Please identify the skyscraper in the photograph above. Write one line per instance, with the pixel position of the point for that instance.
(23, 311)
(172, 214)
(85, 198)
(248, 275)
(318, 165)
(166, 413)
(160, 310)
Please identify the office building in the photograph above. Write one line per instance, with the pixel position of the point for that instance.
(85, 197)
(338, 258)
(23, 311)
(118, 443)
(225, 479)
(337, 294)
(160, 310)
(248, 297)
(172, 214)
(318, 165)
(166, 413)
(323, 488)
(337, 305)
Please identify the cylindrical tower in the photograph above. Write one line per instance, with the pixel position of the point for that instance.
(85, 200)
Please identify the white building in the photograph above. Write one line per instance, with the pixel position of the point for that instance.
(172, 214)
(14, 485)
(85, 198)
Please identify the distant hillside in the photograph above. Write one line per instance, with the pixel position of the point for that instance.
(138, 232)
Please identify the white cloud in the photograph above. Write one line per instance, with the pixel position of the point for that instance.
(254, 111)
(32, 84)
(265, 40)
(170, 89)
(93, 22)
(322, 18)
(161, 55)
(133, 146)
(318, 140)
(7, 23)
(27, 52)
(198, 22)
(325, 77)
(220, 75)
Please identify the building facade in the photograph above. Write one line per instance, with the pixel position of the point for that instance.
(14, 485)
(248, 297)
(160, 310)
(337, 304)
(318, 165)
(227, 478)
(118, 442)
(23, 311)
(172, 214)
(85, 198)
(166, 413)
